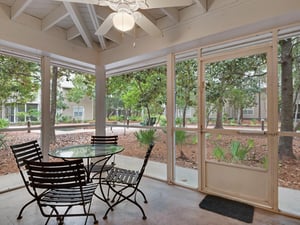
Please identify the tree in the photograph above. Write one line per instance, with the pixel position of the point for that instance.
(243, 96)
(61, 105)
(150, 89)
(186, 86)
(225, 79)
(78, 91)
(116, 88)
(180, 138)
(83, 85)
(287, 92)
(20, 80)
(140, 90)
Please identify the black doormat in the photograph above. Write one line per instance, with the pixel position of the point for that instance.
(228, 208)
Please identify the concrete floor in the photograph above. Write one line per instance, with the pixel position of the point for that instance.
(167, 205)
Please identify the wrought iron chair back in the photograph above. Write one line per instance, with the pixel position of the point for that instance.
(61, 185)
(112, 140)
(26, 151)
(125, 184)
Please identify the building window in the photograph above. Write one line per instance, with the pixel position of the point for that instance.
(78, 112)
(248, 111)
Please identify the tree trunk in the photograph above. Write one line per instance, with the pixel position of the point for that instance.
(3, 110)
(286, 115)
(219, 119)
(184, 116)
(148, 115)
(52, 136)
(241, 115)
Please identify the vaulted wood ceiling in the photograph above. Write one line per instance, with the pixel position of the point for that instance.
(80, 21)
(65, 31)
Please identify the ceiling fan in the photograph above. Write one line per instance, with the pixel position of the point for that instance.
(126, 13)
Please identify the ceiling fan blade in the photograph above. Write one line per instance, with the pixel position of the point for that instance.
(147, 24)
(106, 25)
(103, 2)
(166, 3)
(95, 2)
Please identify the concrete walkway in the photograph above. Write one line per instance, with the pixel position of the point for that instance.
(10, 182)
(288, 198)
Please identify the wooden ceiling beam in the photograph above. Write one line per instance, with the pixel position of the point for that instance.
(202, 3)
(54, 17)
(79, 23)
(113, 35)
(18, 7)
(96, 25)
(72, 33)
(172, 13)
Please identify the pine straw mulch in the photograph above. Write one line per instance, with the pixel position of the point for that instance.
(289, 170)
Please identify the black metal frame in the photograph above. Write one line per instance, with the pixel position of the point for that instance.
(96, 168)
(125, 184)
(112, 139)
(101, 166)
(61, 186)
(26, 151)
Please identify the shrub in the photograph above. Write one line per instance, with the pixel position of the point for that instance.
(180, 137)
(4, 123)
(163, 122)
(218, 153)
(146, 137)
(239, 151)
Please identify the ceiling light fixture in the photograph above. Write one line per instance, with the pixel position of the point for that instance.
(126, 14)
(133, 5)
(123, 20)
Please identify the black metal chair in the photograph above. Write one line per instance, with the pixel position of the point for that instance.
(26, 151)
(61, 186)
(97, 166)
(112, 139)
(125, 184)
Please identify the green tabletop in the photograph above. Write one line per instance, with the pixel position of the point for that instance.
(86, 151)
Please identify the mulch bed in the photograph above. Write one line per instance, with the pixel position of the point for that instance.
(289, 170)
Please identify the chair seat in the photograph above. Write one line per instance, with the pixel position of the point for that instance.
(60, 186)
(123, 176)
(105, 168)
(125, 184)
(69, 196)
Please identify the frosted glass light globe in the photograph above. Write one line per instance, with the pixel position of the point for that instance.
(123, 21)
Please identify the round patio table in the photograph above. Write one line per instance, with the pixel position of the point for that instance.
(88, 151)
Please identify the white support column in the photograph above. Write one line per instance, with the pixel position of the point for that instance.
(100, 105)
(45, 106)
(170, 118)
(201, 121)
(273, 135)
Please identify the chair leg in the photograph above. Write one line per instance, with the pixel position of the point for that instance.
(123, 198)
(21, 211)
(139, 206)
(90, 214)
(144, 196)
(61, 221)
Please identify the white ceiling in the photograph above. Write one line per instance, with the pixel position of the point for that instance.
(80, 21)
(66, 31)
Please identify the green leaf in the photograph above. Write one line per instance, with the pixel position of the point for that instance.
(146, 137)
